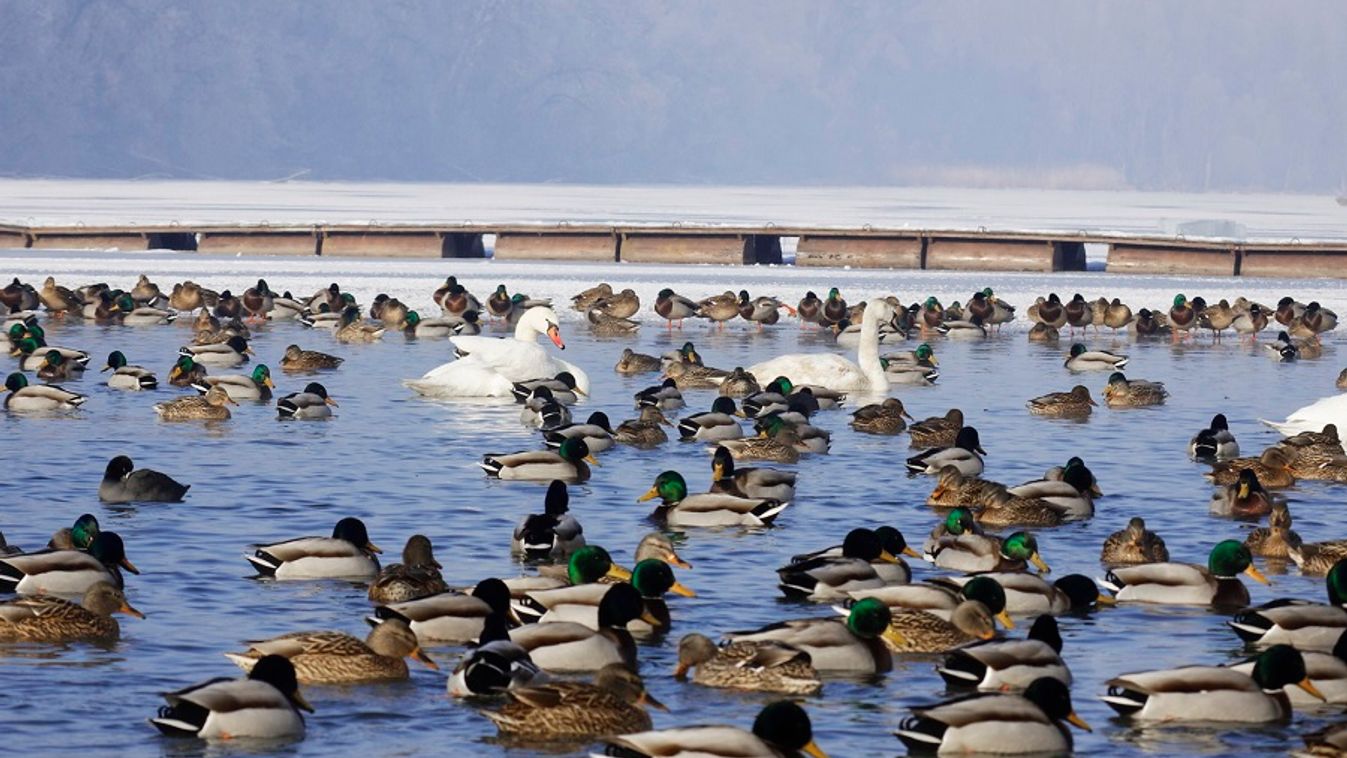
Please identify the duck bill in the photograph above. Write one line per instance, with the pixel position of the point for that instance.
(1105, 600)
(105, 368)
(580, 392)
(649, 701)
(681, 670)
(129, 566)
(814, 750)
(649, 495)
(1004, 618)
(978, 449)
(650, 619)
(934, 362)
(617, 572)
(332, 402)
(373, 548)
(300, 702)
(682, 590)
(129, 610)
(591, 460)
(270, 384)
(1308, 686)
(1257, 575)
(674, 560)
(420, 655)
(1078, 722)
(894, 637)
(554, 334)
(887, 557)
(910, 553)
(1038, 561)
(174, 373)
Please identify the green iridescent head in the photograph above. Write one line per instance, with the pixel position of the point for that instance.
(1230, 558)
(15, 382)
(669, 486)
(1021, 546)
(591, 563)
(1337, 583)
(959, 521)
(653, 578)
(869, 618)
(924, 352)
(53, 358)
(1180, 301)
(413, 318)
(833, 294)
(83, 531)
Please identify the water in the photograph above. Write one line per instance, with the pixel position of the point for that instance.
(408, 465)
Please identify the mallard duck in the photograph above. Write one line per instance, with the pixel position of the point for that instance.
(963, 455)
(587, 298)
(970, 553)
(123, 483)
(25, 397)
(263, 706)
(809, 308)
(1079, 314)
(186, 372)
(212, 406)
(652, 578)
(941, 598)
(34, 353)
(1048, 311)
(567, 463)
(761, 310)
(1074, 404)
(596, 431)
(494, 664)
(1327, 671)
(1029, 594)
(619, 305)
(554, 533)
(891, 542)
(348, 553)
(739, 383)
(231, 352)
(543, 412)
(417, 576)
(632, 362)
(1135, 544)
(1083, 359)
(352, 329)
(781, 729)
(1072, 488)
(758, 666)
(1215, 442)
(880, 418)
(1251, 322)
(753, 482)
(1216, 584)
(678, 508)
(561, 388)
(645, 431)
(577, 710)
(1121, 392)
(450, 617)
(45, 618)
(916, 368)
(1117, 315)
(1284, 349)
(338, 658)
(143, 315)
(78, 536)
(782, 447)
(1245, 499)
(297, 359)
(1009, 665)
(587, 565)
(67, 572)
(603, 325)
(674, 307)
(972, 328)
(1182, 315)
(255, 386)
(924, 632)
(1003, 724)
(1150, 323)
(1277, 539)
(937, 431)
(56, 368)
(1217, 318)
(828, 576)
(932, 314)
(1300, 623)
(857, 644)
(719, 423)
(665, 396)
(1314, 321)
(1212, 693)
(570, 647)
(1272, 468)
(1043, 333)
(59, 300)
(312, 403)
(770, 399)
(127, 377)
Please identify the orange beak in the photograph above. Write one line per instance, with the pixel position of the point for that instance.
(555, 335)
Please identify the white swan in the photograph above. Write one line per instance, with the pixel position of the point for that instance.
(834, 371)
(490, 366)
(1313, 417)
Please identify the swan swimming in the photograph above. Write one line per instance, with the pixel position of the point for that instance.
(490, 366)
(834, 371)
(1313, 417)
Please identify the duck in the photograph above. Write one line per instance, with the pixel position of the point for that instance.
(186, 372)
(1226, 695)
(913, 368)
(351, 328)
(687, 376)
(59, 300)
(327, 657)
(124, 483)
(1245, 499)
(924, 632)
(645, 431)
(782, 447)
(1048, 311)
(450, 617)
(577, 710)
(561, 388)
(589, 297)
(588, 565)
(142, 315)
(809, 309)
(417, 576)
(678, 508)
(1028, 594)
(1117, 315)
(1182, 315)
(1043, 333)
(717, 424)
(963, 455)
(764, 666)
(880, 418)
(494, 664)
(231, 352)
(1070, 489)
(265, 705)
(762, 310)
(1217, 318)
(566, 647)
(1082, 359)
(739, 383)
(67, 572)
(348, 553)
(674, 307)
(298, 359)
(489, 367)
(34, 354)
(1121, 392)
(554, 533)
(1283, 348)
(1215, 442)
(413, 325)
(212, 406)
(55, 368)
(971, 328)
(1074, 404)
(1327, 671)
(47, 618)
(1009, 665)
(1251, 322)
(937, 431)
(996, 723)
(312, 403)
(651, 577)
(856, 644)
(1150, 323)
(78, 536)
(254, 386)
(970, 552)
(541, 411)
(128, 377)
(567, 463)
(665, 396)
(1272, 468)
(829, 576)
(1216, 584)
(632, 362)
(833, 371)
(25, 397)
(1277, 539)
(1299, 623)
(1134, 544)
(596, 431)
(781, 729)
(751, 482)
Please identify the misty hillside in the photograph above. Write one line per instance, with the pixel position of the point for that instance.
(1173, 95)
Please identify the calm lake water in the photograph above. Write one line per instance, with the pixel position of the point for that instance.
(406, 465)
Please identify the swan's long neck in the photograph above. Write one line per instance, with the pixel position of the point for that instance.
(867, 353)
(526, 330)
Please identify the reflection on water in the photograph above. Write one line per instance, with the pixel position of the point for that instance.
(406, 465)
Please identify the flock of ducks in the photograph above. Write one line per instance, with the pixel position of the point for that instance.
(582, 613)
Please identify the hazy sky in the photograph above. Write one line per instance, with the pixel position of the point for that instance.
(1155, 95)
